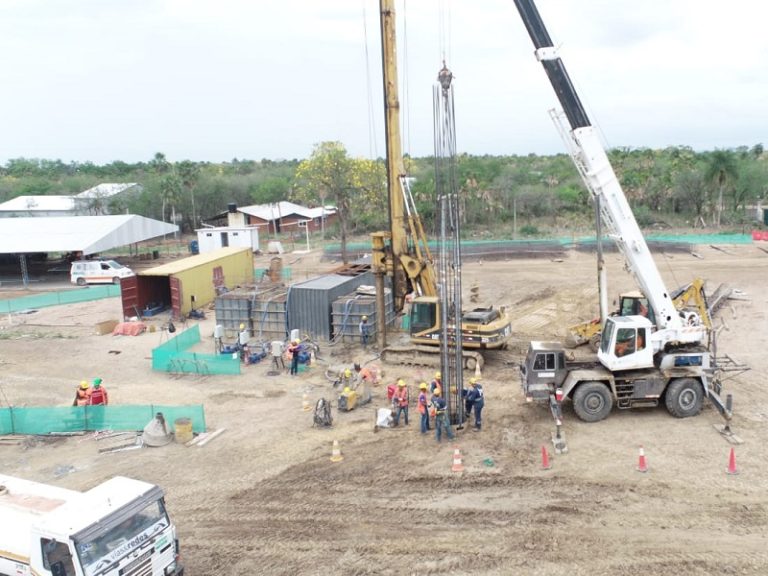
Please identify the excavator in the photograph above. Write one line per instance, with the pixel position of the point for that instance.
(402, 253)
(639, 362)
(690, 299)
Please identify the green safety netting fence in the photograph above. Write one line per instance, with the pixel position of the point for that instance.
(52, 419)
(44, 299)
(469, 244)
(173, 356)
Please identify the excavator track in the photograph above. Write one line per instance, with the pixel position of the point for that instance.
(427, 356)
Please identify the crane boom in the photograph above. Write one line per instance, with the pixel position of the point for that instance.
(592, 162)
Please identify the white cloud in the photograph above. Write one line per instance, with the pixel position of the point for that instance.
(214, 79)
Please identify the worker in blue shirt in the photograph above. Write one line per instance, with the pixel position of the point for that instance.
(441, 416)
(475, 400)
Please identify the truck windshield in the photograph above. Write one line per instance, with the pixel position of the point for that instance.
(121, 537)
(115, 265)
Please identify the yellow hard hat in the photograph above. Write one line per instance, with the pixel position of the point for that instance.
(438, 375)
(296, 341)
(347, 372)
(242, 326)
(84, 384)
(347, 389)
(401, 383)
(423, 386)
(473, 381)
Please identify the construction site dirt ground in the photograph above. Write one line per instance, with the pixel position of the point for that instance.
(264, 497)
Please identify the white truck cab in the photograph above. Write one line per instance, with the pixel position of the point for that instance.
(85, 272)
(119, 527)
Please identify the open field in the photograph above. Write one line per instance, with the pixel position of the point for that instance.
(263, 498)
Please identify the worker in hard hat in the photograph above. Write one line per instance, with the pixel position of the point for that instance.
(82, 394)
(365, 331)
(423, 405)
(468, 400)
(400, 402)
(98, 394)
(442, 422)
(437, 382)
(476, 400)
(293, 351)
(364, 374)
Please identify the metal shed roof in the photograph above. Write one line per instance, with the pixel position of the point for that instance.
(86, 234)
(192, 262)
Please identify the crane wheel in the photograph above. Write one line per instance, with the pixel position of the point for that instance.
(592, 401)
(684, 397)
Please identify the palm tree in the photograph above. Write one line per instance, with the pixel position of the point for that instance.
(722, 170)
(170, 189)
(189, 172)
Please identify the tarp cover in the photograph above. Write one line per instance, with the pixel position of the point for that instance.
(129, 329)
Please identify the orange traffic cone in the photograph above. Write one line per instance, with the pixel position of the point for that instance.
(336, 453)
(545, 465)
(457, 465)
(305, 403)
(642, 465)
(732, 463)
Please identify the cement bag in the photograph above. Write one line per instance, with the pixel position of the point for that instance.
(384, 418)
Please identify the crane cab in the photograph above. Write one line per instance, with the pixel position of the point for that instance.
(626, 343)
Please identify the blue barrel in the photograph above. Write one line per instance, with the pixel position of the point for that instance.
(194, 247)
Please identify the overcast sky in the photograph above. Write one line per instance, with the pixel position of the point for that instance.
(105, 80)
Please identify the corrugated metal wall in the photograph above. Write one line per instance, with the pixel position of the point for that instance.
(310, 303)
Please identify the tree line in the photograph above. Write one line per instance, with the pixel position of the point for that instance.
(503, 196)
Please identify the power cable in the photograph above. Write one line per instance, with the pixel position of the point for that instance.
(406, 118)
(372, 144)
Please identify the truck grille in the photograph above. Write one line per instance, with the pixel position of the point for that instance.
(142, 566)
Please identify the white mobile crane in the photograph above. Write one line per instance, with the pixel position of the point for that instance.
(640, 363)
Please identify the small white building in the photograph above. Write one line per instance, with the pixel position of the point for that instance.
(210, 239)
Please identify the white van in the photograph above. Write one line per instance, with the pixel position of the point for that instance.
(98, 272)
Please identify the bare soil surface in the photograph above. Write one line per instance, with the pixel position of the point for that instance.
(264, 497)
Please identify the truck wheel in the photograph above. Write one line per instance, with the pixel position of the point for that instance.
(81, 281)
(470, 363)
(592, 401)
(685, 397)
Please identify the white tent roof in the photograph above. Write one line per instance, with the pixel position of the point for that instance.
(105, 190)
(38, 204)
(86, 234)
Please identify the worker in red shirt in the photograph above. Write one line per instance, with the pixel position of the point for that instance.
(98, 394)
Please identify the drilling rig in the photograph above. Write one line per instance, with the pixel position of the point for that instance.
(402, 253)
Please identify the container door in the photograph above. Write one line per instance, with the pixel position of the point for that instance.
(176, 300)
(218, 279)
(129, 288)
